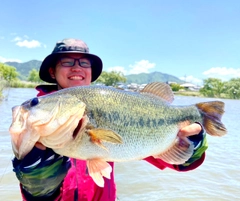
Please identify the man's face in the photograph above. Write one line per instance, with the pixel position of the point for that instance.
(69, 73)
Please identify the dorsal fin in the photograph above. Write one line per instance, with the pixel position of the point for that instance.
(159, 89)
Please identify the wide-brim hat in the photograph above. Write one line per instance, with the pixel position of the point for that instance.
(69, 46)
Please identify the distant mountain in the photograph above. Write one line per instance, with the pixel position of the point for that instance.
(25, 68)
(142, 78)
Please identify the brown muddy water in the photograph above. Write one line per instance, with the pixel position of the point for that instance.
(218, 178)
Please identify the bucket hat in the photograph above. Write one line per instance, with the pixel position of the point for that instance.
(69, 46)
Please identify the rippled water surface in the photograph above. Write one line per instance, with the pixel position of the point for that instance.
(218, 178)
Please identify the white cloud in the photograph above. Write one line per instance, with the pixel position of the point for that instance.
(17, 39)
(142, 66)
(28, 43)
(222, 73)
(3, 60)
(192, 79)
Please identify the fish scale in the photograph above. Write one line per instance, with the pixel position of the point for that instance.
(143, 129)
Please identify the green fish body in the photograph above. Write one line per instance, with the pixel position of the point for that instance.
(119, 125)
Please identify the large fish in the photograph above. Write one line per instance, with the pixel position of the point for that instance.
(100, 124)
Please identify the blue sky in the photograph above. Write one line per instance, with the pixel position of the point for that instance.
(189, 39)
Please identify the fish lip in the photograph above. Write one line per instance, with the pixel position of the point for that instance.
(77, 129)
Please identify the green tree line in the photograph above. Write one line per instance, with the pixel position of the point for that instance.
(212, 87)
(9, 77)
(10, 74)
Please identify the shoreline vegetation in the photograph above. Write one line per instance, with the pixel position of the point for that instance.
(27, 84)
(188, 93)
(15, 84)
(3, 85)
(211, 88)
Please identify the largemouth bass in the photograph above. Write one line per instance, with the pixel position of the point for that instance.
(100, 124)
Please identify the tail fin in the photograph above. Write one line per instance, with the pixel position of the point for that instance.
(212, 113)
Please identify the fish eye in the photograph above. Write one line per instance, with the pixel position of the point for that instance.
(34, 102)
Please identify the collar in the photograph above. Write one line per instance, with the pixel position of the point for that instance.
(45, 89)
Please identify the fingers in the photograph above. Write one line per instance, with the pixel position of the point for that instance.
(193, 129)
(40, 146)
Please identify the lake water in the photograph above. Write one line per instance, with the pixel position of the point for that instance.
(218, 178)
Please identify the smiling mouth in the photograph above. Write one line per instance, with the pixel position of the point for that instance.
(76, 78)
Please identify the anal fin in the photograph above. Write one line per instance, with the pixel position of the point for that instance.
(98, 169)
(179, 153)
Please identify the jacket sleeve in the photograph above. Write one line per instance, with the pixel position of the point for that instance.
(41, 174)
(200, 144)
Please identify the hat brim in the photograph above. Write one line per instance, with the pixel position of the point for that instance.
(50, 61)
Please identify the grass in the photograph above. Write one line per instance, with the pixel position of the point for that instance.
(3, 84)
(188, 93)
(15, 84)
(23, 84)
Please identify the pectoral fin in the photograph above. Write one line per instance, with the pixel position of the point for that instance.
(179, 153)
(98, 135)
(98, 169)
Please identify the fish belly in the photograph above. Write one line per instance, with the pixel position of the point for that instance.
(135, 146)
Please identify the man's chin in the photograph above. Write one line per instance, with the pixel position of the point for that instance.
(76, 83)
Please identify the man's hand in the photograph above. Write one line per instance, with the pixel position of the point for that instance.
(40, 146)
(193, 129)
